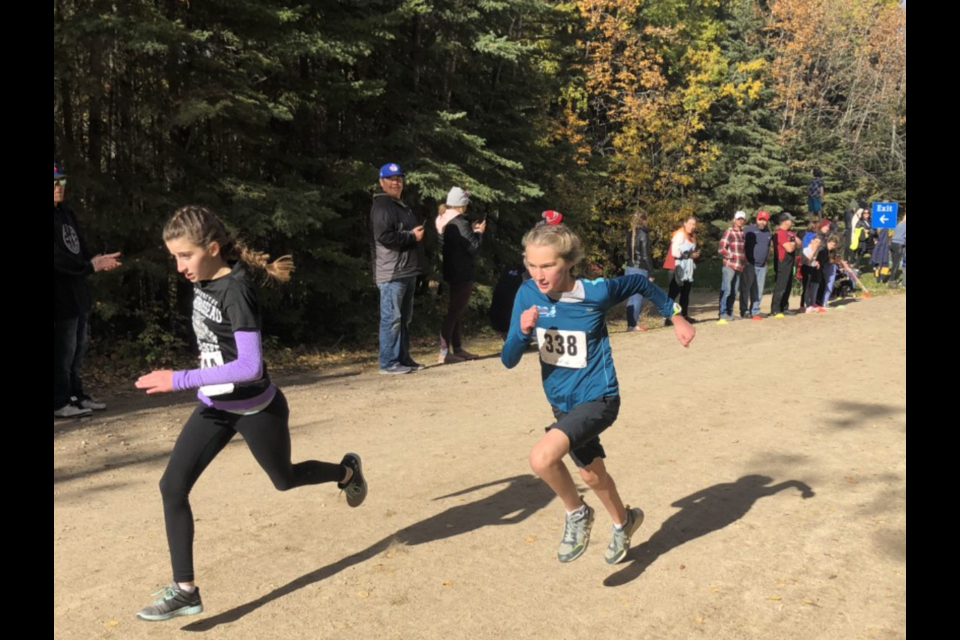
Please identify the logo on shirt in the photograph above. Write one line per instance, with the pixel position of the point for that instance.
(71, 240)
(206, 339)
(206, 309)
(207, 306)
(548, 312)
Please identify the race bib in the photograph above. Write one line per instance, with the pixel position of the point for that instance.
(209, 361)
(567, 349)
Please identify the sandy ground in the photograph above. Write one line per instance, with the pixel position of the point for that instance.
(718, 444)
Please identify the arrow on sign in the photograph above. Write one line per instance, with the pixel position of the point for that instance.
(884, 219)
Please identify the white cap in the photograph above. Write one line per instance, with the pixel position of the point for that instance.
(458, 198)
(741, 215)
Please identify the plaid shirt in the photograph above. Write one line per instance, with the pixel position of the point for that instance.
(733, 248)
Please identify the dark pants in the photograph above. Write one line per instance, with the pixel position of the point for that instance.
(451, 336)
(812, 279)
(206, 434)
(805, 274)
(781, 296)
(69, 345)
(860, 257)
(752, 284)
(683, 291)
(896, 250)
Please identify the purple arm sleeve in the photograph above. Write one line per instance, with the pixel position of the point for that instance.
(248, 366)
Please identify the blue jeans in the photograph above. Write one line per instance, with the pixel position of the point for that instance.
(728, 293)
(396, 314)
(635, 303)
(752, 284)
(69, 345)
(829, 282)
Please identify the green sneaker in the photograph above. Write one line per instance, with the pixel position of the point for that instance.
(576, 535)
(174, 603)
(356, 486)
(620, 543)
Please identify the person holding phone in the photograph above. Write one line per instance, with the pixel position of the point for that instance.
(397, 253)
(459, 243)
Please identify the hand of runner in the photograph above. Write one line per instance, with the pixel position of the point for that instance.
(684, 331)
(529, 319)
(156, 382)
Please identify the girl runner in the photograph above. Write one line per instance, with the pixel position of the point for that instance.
(569, 317)
(235, 392)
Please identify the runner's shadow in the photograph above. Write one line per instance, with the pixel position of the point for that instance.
(519, 500)
(701, 514)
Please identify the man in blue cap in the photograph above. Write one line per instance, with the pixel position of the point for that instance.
(73, 264)
(396, 244)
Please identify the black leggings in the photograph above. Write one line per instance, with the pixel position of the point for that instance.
(206, 434)
(813, 280)
(451, 335)
(896, 252)
(681, 291)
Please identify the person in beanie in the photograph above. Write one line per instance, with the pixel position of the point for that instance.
(73, 264)
(459, 243)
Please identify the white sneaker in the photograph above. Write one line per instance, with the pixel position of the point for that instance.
(91, 404)
(71, 412)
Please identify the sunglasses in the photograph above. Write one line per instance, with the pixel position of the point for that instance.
(60, 182)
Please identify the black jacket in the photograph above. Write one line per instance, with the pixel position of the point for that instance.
(459, 244)
(71, 267)
(394, 249)
(639, 255)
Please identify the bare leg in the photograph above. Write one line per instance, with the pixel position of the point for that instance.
(602, 484)
(546, 460)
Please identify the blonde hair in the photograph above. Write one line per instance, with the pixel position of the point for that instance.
(202, 227)
(561, 239)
